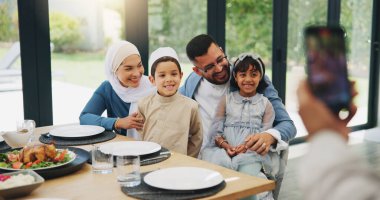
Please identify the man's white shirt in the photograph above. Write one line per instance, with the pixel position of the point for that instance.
(208, 96)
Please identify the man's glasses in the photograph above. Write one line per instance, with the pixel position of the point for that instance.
(218, 61)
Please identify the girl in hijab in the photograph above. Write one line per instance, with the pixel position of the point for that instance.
(119, 94)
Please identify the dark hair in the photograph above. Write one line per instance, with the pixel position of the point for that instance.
(164, 59)
(243, 66)
(198, 46)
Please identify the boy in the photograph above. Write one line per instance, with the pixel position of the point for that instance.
(171, 119)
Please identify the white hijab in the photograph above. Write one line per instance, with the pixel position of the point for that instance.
(115, 56)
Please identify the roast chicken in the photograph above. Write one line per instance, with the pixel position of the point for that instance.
(41, 152)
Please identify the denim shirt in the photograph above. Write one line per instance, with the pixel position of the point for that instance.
(282, 121)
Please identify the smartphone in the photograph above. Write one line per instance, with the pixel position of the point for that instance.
(327, 66)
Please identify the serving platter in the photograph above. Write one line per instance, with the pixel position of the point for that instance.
(81, 158)
(71, 154)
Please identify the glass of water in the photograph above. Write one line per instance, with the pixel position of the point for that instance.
(128, 170)
(102, 162)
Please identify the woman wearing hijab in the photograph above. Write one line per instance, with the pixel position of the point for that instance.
(119, 94)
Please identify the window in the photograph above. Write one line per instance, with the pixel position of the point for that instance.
(249, 29)
(357, 21)
(80, 35)
(301, 14)
(173, 24)
(10, 68)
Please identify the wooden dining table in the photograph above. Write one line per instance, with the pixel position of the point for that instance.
(83, 184)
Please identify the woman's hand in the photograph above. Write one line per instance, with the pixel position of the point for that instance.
(131, 121)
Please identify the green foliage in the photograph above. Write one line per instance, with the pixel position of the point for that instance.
(301, 14)
(356, 19)
(249, 27)
(173, 23)
(8, 21)
(64, 32)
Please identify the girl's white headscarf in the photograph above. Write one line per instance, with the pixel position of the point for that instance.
(115, 56)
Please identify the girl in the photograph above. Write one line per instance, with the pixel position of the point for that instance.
(119, 94)
(240, 114)
(171, 120)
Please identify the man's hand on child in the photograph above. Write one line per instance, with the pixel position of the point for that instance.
(260, 143)
(131, 121)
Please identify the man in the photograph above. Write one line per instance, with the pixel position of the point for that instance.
(330, 170)
(210, 81)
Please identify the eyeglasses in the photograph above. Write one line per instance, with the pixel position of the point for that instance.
(253, 56)
(218, 61)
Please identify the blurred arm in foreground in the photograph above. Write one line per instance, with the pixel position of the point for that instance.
(330, 170)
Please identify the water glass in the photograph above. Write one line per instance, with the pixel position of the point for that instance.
(102, 163)
(128, 170)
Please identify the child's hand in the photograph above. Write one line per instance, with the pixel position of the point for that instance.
(230, 151)
(240, 149)
(131, 121)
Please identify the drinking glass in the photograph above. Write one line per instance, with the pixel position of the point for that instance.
(102, 163)
(128, 170)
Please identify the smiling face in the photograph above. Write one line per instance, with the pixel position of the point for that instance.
(213, 66)
(166, 78)
(130, 71)
(248, 81)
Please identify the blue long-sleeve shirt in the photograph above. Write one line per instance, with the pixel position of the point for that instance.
(104, 98)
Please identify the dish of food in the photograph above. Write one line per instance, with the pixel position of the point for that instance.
(18, 184)
(36, 157)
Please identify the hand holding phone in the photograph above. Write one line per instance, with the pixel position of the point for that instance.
(327, 66)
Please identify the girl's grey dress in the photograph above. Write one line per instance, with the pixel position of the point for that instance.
(236, 118)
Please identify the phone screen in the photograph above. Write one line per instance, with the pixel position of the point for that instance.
(327, 66)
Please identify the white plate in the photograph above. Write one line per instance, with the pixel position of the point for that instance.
(72, 158)
(183, 178)
(1, 139)
(130, 148)
(76, 131)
